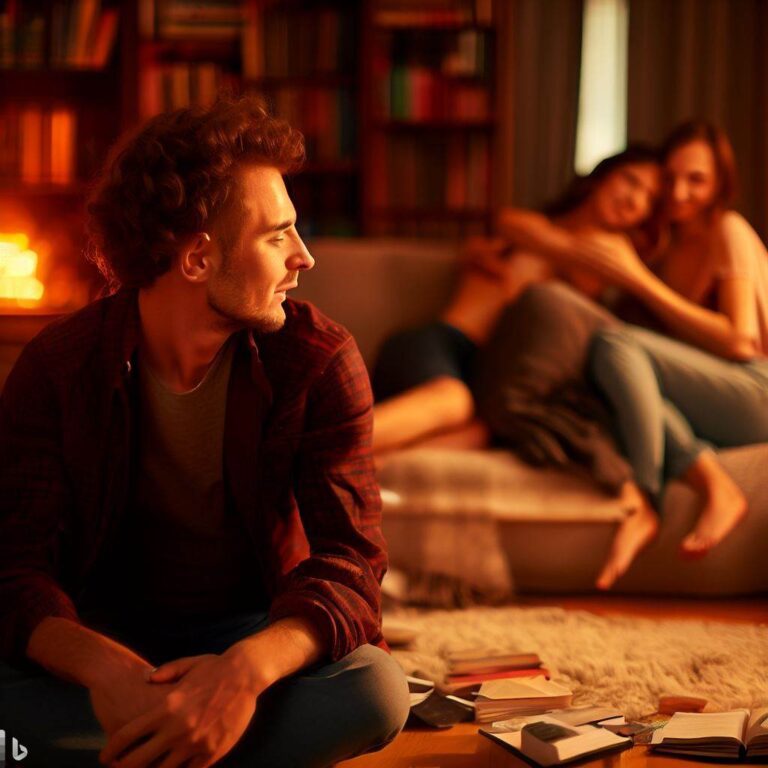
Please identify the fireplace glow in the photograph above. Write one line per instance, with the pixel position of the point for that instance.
(18, 272)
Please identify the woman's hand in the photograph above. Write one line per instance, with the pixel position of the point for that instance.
(613, 258)
(488, 254)
(206, 707)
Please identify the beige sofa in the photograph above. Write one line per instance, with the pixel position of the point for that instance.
(483, 515)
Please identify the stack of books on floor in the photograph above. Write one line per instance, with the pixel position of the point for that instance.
(723, 735)
(472, 667)
(501, 699)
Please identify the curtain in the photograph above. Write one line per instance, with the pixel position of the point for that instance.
(539, 59)
(705, 59)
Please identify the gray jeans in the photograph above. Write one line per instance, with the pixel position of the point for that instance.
(316, 718)
(671, 401)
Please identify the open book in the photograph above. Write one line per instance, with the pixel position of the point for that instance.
(734, 735)
(549, 741)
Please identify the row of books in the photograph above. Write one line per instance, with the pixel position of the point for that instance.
(402, 13)
(298, 43)
(326, 117)
(82, 35)
(173, 86)
(190, 19)
(422, 95)
(450, 173)
(464, 53)
(37, 146)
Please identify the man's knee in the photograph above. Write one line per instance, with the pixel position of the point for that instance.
(378, 700)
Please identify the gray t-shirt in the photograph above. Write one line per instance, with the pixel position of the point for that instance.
(196, 556)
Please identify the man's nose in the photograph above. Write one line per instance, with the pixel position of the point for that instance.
(301, 258)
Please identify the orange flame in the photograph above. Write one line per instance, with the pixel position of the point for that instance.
(18, 268)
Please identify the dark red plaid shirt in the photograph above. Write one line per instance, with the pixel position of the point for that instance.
(297, 463)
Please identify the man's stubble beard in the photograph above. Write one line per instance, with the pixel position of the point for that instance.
(225, 309)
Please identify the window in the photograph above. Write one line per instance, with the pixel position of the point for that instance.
(601, 126)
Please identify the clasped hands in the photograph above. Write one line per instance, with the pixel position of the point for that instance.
(189, 712)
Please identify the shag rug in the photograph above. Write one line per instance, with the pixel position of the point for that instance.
(616, 661)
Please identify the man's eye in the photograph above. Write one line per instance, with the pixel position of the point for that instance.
(277, 239)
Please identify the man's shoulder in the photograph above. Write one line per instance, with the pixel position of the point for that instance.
(73, 330)
(70, 338)
(306, 345)
(310, 332)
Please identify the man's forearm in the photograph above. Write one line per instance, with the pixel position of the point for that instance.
(78, 654)
(282, 649)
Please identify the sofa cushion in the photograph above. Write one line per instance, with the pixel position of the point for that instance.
(493, 521)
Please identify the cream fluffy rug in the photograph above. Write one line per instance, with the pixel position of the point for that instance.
(621, 661)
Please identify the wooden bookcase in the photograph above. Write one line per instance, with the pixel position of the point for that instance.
(428, 117)
(61, 108)
(396, 99)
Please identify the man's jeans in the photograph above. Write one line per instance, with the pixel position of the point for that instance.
(323, 715)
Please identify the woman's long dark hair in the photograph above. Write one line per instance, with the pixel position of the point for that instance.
(645, 236)
(581, 187)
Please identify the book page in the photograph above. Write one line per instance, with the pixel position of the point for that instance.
(706, 726)
(758, 725)
(517, 688)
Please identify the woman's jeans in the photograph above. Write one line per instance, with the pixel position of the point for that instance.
(315, 718)
(670, 401)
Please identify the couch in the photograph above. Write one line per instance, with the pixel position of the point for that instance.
(485, 517)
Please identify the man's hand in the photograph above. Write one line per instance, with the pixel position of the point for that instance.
(206, 703)
(124, 694)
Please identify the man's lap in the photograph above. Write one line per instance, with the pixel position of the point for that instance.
(358, 701)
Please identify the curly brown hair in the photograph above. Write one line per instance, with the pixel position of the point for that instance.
(173, 177)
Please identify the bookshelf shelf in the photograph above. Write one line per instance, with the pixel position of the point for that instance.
(435, 125)
(17, 189)
(320, 80)
(191, 50)
(37, 85)
(450, 27)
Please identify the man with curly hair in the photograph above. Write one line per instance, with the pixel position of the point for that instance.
(190, 543)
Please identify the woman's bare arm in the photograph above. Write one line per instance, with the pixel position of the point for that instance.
(729, 332)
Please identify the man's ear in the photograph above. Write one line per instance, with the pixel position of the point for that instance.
(195, 260)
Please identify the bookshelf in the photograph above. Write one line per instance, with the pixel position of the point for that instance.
(429, 121)
(61, 107)
(395, 98)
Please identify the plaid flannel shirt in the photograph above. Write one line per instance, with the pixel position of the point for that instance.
(297, 466)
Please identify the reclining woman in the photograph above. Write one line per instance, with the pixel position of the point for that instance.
(708, 287)
(423, 376)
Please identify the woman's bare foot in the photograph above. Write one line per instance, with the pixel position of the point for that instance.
(724, 505)
(635, 532)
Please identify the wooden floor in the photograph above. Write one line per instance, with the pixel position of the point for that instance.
(462, 747)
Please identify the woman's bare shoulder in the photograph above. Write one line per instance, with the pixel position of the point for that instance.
(733, 225)
(735, 236)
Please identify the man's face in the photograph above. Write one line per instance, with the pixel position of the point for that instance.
(249, 282)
